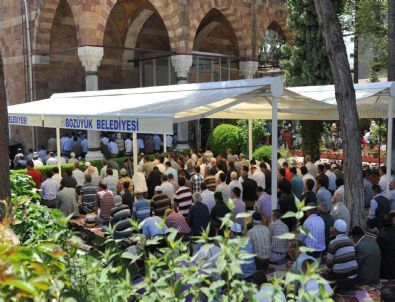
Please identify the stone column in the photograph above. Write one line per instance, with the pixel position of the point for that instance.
(248, 68)
(182, 64)
(90, 58)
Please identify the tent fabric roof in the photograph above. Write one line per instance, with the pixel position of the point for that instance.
(155, 109)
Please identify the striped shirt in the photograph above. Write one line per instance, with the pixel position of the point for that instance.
(316, 227)
(210, 182)
(159, 203)
(183, 199)
(278, 228)
(178, 222)
(341, 256)
(196, 182)
(260, 238)
(105, 202)
(141, 209)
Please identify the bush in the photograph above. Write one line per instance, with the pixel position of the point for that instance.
(224, 136)
(263, 153)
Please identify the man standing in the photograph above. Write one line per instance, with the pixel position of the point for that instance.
(297, 183)
(331, 177)
(315, 225)
(49, 190)
(128, 145)
(110, 181)
(124, 178)
(113, 148)
(207, 197)
(380, 205)
(260, 238)
(210, 179)
(368, 257)
(234, 183)
(198, 216)
(264, 203)
(84, 146)
(307, 176)
(239, 206)
(223, 187)
(258, 176)
(183, 198)
(323, 195)
(78, 174)
(196, 180)
(157, 143)
(170, 170)
(311, 168)
(167, 188)
(249, 191)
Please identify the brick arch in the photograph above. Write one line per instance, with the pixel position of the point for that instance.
(166, 10)
(201, 9)
(43, 26)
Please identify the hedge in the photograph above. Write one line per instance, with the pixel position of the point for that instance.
(263, 153)
(224, 136)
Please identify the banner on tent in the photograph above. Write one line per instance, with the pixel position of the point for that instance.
(116, 124)
(372, 114)
(24, 120)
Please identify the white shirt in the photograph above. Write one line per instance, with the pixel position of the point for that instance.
(311, 168)
(38, 163)
(339, 193)
(57, 178)
(259, 178)
(49, 189)
(208, 199)
(332, 180)
(79, 177)
(383, 182)
(139, 182)
(128, 145)
(309, 176)
(168, 189)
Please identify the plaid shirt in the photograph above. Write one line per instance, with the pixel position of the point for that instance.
(105, 201)
(278, 228)
(196, 182)
(178, 222)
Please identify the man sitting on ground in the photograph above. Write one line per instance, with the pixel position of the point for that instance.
(279, 246)
(368, 257)
(160, 202)
(342, 266)
(315, 225)
(142, 207)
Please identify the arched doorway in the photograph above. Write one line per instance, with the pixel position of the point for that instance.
(136, 48)
(57, 68)
(270, 51)
(215, 50)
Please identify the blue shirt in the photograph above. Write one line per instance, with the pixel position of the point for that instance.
(153, 226)
(141, 209)
(67, 144)
(297, 186)
(84, 145)
(316, 226)
(248, 268)
(113, 148)
(323, 195)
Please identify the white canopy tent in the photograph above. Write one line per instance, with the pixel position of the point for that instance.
(155, 109)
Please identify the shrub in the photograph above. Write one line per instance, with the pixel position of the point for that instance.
(263, 153)
(224, 136)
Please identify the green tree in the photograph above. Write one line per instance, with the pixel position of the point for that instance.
(306, 63)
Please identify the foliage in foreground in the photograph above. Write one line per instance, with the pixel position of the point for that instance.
(48, 267)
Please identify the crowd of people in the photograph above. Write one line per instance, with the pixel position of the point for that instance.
(195, 191)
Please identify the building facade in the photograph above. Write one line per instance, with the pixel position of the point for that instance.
(78, 45)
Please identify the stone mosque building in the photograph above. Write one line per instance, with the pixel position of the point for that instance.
(52, 46)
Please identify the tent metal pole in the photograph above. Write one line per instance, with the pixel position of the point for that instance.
(250, 138)
(274, 151)
(59, 161)
(135, 152)
(389, 140)
(164, 143)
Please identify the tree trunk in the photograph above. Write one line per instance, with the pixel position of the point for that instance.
(346, 104)
(391, 41)
(4, 153)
